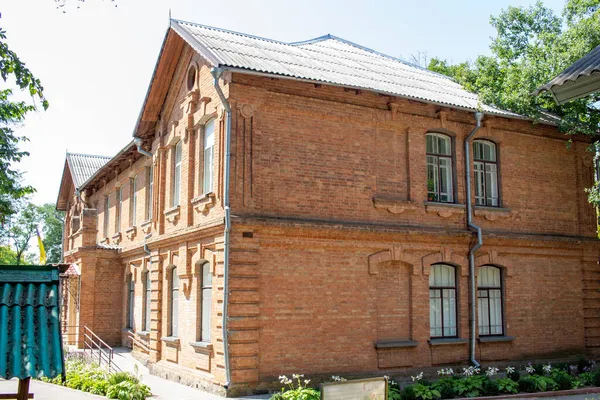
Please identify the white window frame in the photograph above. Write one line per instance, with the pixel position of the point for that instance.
(119, 208)
(440, 168)
(205, 297)
(174, 304)
(176, 187)
(485, 168)
(208, 157)
(490, 301)
(443, 301)
(130, 301)
(106, 214)
(133, 201)
(149, 190)
(147, 301)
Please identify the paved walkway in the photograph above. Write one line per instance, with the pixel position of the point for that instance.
(163, 389)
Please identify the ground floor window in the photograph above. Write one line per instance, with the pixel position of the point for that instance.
(489, 301)
(442, 301)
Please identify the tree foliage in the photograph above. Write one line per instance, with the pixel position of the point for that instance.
(12, 113)
(52, 221)
(20, 228)
(531, 46)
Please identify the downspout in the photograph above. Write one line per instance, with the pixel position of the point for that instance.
(471, 225)
(217, 72)
(138, 142)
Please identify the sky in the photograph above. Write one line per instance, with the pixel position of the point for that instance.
(95, 59)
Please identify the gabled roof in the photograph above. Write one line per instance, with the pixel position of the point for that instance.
(83, 166)
(77, 170)
(332, 60)
(579, 80)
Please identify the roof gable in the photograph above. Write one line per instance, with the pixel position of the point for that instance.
(77, 170)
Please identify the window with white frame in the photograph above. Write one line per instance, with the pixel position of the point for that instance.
(205, 297)
(149, 190)
(106, 214)
(174, 310)
(485, 165)
(489, 301)
(147, 299)
(440, 181)
(119, 203)
(130, 301)
(176, 175)
(442, 301)
(209, 146)
(133, 201)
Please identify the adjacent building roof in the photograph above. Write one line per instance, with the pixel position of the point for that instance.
(331, 60)
(579, 80)
(30, 336)
(83, 166)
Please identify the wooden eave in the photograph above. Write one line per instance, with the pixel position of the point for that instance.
(166, 64)
(119, 163)
(66, 188)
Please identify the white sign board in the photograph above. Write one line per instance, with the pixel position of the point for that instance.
(360, 389)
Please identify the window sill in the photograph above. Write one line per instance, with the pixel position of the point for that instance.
(396, 344)
(146, 226)
(172, 214)
(447, 341)
(495, 339)
(131, 232)
(170, 340)
(144, 334)
(393, 205)
(204, 347)
(116, 238)
(204, 203)
(444, 210)
(492, 213)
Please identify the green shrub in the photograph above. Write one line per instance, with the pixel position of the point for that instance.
(563, 380)
(526, 384)
(424, 392)
(394, 393)
(118, 377)
(446, 388)
(514, 375)
(277, 396)
(471, 386)
(491, 388)
(408, 393)
(508, 386)
(543, 383)
(587, 378)
(127, 390)
(595, 378)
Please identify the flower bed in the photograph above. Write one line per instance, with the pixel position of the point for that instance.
(470, 382)
(89, 377)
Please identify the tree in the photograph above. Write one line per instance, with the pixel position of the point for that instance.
(13, 70)
(20, 229)
(52, 221)
(532, 45)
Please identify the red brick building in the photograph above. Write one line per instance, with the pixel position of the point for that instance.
(303, 208)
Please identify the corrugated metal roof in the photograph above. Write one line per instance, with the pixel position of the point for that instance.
(584, 67)
(332, 60)
(30, 336)
(83, 166)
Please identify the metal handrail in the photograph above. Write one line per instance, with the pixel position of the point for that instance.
(138, 341)
(92, 342)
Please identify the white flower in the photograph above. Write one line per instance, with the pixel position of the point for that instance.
(468, 371)
(417, 378)
(306, 381)
(491, 371)
(442, 372)
(529, 368)
(284, 380)
(449, 371)
(547, 368)
(336, 378)
(510, 370)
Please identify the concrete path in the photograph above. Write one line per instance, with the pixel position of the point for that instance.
(48, 391)
(163, 389)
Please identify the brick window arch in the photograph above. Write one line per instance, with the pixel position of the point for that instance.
(440, 168)
(442, 301)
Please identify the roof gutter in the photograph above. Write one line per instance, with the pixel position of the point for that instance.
(477, 229)
(217, 72)
(138, 142)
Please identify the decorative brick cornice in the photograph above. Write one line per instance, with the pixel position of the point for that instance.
(131, 232)
(204, 203)
(444, 210)
(172, 214)
(393, 205)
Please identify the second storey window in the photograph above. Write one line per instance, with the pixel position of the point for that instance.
(119, 204)
(149, 189)
(440, 182)
(106, 214)
(176, 175)
(485, 165)
(133, 201)
(442, 301)
(209, 145)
